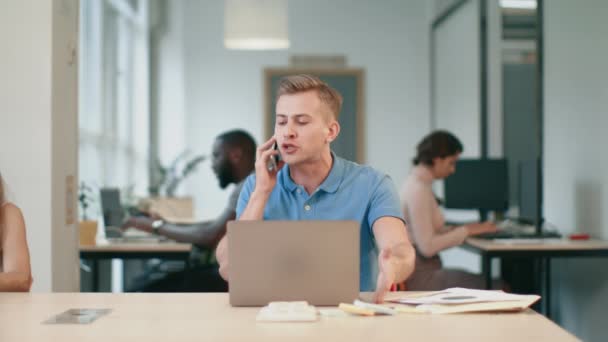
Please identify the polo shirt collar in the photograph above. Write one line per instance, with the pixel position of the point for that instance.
(330, 184)
(286, 180)
(333, 180)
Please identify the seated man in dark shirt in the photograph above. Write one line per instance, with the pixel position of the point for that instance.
(233, 159)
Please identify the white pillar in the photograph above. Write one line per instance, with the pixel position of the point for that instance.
(38, 132)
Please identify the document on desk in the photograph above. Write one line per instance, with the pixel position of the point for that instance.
(459, 295)
(461, 300)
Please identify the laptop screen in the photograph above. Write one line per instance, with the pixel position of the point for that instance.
(113, 213)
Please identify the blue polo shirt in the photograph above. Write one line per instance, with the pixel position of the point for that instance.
(350, 192)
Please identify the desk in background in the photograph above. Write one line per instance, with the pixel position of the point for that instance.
(132, 250)
(540, 251)
(209, 317)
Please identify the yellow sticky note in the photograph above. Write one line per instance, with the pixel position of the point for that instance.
(408, 309)
(355, 310)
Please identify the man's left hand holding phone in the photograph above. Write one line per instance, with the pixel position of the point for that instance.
(267, 165)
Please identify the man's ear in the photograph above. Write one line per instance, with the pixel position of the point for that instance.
(333, 131)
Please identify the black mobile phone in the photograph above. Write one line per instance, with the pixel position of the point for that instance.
(274, 160)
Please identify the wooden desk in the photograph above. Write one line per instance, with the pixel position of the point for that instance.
(167, 250)
(208, 317)
(541, 250)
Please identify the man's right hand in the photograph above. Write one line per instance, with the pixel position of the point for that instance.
(221, 254)
(143, 223)
(265, 180)
(481, 228)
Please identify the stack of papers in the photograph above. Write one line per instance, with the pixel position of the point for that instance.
(458, 300)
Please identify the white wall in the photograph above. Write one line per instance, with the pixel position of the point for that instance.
(495, 92)
(576, 161)
(458, 92)
(38, 131)
(168, 31)
(456, 77)
(224, 88)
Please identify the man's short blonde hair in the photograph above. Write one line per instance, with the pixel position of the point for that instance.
(301, 83)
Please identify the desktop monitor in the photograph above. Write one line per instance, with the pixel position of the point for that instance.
(480, 184)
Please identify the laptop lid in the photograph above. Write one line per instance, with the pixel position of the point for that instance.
(113, 213)
(315, 261)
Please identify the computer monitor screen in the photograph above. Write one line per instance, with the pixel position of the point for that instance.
(478, 184)
(529, 199)
(113, 213)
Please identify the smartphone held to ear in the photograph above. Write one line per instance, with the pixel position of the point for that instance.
(273, 163)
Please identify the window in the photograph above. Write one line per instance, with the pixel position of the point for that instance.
(114, 117)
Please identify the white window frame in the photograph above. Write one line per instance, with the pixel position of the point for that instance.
(114, 113)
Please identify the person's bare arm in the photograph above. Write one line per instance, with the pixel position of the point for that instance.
(16, 274)
(221, 255)
(204, 234)
(396, 259)
(474, 229)
(420, 202)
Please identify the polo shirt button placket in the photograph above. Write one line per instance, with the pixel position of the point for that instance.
(307, 207)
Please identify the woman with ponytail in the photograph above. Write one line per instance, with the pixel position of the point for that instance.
(436, 157)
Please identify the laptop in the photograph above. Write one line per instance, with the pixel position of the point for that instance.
(313, 261)
(114, 215)
(113, 212)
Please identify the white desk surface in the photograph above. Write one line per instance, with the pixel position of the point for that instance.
(536, 244)
(209, 317)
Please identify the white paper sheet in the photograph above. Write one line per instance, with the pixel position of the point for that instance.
(458, 295)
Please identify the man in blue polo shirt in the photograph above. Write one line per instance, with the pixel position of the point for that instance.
(311, 183)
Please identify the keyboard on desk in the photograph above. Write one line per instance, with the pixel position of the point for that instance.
(131, 235)
(512, 230)
(509, 235)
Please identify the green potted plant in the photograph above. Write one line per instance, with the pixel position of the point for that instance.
(163, 190)
(168, 178)
(87, 228)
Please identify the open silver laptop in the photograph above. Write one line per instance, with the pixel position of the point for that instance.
(315, 261)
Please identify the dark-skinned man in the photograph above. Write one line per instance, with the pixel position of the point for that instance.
(232, 160)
